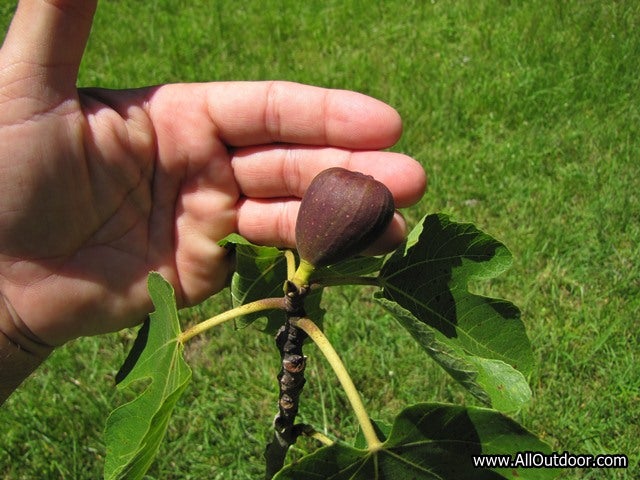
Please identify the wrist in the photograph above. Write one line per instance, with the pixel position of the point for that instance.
(20, 352)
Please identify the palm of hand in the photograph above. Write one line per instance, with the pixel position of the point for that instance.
(96, 195)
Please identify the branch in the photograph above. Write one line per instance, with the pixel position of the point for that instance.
(289, 341)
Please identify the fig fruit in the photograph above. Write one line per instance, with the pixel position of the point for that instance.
(341, 214)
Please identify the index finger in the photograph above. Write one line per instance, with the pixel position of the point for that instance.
(255, 113)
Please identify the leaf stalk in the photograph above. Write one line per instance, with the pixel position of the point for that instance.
(323, 343)
(291, 263)
(246, 309)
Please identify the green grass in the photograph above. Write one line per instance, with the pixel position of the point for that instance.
(524, 114)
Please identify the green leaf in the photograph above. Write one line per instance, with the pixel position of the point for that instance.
(260, 273)
(381, 428)
(429, 442)
(494, 382)
(160, 375)
(480, 341)
(352, 267)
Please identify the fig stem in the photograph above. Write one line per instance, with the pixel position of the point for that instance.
(324, 345)
(303, 273)
(247, 308)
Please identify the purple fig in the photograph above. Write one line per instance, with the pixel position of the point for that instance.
(341, 214)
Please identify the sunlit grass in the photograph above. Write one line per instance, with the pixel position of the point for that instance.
(525, 115)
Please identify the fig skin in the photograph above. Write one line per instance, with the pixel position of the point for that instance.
(341, 214)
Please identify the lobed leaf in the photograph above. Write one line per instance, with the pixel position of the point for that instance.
(480, 341)
(428, 442)
(158, 372)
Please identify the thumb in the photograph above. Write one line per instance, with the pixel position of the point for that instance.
(46, 40)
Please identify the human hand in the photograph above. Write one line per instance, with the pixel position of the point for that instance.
(99, 187)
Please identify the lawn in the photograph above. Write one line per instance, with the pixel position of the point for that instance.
(525, 116)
